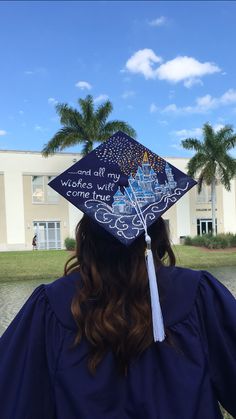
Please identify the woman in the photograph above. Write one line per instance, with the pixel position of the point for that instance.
(104, 342)
(82, 347)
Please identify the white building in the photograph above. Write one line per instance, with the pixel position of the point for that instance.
(29, 206)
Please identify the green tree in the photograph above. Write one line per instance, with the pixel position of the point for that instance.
(212, 162)
(87, 126)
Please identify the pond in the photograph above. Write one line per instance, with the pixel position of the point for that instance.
(14, 293)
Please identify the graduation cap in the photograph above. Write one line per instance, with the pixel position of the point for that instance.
(125, 188)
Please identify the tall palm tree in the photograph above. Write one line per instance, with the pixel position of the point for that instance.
(212, 161)
(87, 126)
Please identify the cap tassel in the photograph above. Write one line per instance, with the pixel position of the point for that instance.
(157, 318)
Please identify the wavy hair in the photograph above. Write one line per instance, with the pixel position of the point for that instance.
(112, 304)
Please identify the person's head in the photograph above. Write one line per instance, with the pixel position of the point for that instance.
(112, 307)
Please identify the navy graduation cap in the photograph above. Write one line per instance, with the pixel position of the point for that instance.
(123, 186)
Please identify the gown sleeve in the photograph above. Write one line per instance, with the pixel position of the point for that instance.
(28, 351)
(217, 312)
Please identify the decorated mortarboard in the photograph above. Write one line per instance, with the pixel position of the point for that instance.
(119, 181)
(125, 188)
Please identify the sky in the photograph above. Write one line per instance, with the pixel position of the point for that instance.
(167, 67)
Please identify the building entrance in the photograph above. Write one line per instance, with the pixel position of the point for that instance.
(204, 226)
(48, 234)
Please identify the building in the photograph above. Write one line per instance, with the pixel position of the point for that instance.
(29, 206)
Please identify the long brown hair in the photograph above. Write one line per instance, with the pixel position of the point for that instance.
(112, 305)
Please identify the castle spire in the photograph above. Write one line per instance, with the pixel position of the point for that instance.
(145, 157)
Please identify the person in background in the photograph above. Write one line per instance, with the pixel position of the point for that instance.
(34, 242)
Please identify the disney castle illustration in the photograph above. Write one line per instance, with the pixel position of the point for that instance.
(143, 187)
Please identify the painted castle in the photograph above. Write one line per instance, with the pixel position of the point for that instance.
(146, 188)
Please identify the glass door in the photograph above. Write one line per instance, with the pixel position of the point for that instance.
(204, 226)
(48, 234)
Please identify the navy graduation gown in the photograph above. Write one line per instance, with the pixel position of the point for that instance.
(43, 377)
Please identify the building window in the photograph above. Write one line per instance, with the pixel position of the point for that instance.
(41, 192)
(48, 234)
(204, 197)
(52, 196)
(37, 189)
(204, 226)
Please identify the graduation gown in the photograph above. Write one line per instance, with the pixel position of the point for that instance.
(43, 377)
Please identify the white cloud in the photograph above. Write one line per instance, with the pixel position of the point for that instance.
(228, 97)
(83, 85)
(162, 122)
(101, 98)
(187, 133)
(192, 81)
(52, 101)
(39, 128)
(180, 69)
(171, 108)
(186, 69)
(36, 71)
(177, 146)
(127, 94)
(2, 132)
(153, 108)
(204, 104)
(159, 21)
(218, 127)
(190, 133)
(141, 62)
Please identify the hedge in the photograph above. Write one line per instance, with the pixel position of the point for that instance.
(69, 243)
(220, 241)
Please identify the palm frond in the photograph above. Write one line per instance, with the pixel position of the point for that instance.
(196, 163)
(192, 144)
(103, 111)
(65, 137)
(87, 147)
(69, 116)
(208, 131)
(87, 107)
(113, 126)
(200, 182)
(225, 177)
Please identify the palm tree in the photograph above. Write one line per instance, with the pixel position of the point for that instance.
(84, 127)
(212, 162)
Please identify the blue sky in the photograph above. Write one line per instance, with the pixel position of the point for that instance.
(167, 67)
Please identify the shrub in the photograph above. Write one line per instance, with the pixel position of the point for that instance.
(188, 241)
(220, 241)
(199, 240)
(231, 239)
(69, 243)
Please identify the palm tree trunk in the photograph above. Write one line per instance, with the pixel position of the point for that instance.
(213, 205)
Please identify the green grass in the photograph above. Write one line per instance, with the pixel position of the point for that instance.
(40, 264)
(201, 258)
(48, 265)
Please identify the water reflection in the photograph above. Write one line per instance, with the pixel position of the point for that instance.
(13, 294)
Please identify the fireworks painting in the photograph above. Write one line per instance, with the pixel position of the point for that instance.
(127, 154)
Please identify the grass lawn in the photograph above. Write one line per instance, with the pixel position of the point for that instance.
(202, 258)
(49, 264)
(38, 264)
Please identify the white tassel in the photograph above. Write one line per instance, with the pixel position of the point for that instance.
(157, 319)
